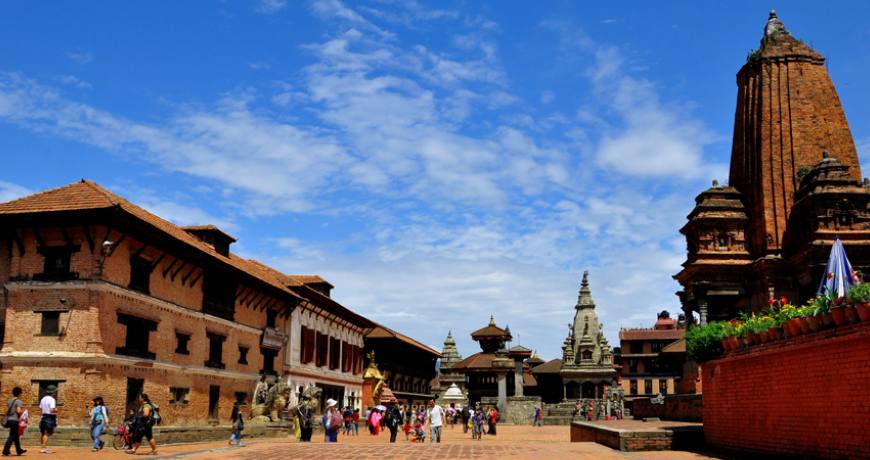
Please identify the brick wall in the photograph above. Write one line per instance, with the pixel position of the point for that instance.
(807, 396)
(686, 408)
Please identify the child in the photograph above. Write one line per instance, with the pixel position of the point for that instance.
(477, 429)
(419, 434)
(238, 425)
(407, 426)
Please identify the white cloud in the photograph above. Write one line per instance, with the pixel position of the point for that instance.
(10, 191)
(72, 80)
(80, 57)
(271, 6)
(547, 97)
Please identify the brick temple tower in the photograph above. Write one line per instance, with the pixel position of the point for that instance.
(788, 112)
(794, 186)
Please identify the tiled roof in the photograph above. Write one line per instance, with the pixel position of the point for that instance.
(381, 331)
(476, 361)
(529, 380)
(677, 346)
(489, 331)
(208, 228)
(651, 334)
(550, 367)
(87, 195)
(310, 279)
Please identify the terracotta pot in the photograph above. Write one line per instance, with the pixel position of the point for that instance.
(775, 333)
(735, 343)
(814, 323)
(863, 311)
(795, 325)
(838, 314)
(805, 327)
(726, 344)
(851, 314)
(762, 336)
(827, 319)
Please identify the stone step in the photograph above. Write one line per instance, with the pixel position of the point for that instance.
(557, 420)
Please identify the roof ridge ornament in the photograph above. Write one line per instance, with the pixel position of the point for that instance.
(774, 25)
(584, 300)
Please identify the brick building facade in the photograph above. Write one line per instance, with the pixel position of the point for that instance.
(645, 372)
(101, 297)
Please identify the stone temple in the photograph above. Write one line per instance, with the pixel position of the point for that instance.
(587, 362)
(794, 186)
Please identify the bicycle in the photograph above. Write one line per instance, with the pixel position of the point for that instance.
(123, 438)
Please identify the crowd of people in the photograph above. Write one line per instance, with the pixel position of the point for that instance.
(417, 422)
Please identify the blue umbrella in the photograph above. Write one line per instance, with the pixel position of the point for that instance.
(838, 277)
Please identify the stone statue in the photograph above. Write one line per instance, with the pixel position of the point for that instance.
(261, 390)
(269, 401)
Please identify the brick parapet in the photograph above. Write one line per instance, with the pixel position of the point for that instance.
(806, 396)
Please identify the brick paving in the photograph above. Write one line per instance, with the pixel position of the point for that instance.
(512, 442)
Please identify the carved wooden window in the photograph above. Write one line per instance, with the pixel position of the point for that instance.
(632, 387)
(181, 341)
(56, 263)
(50, 324)
(306, 353)
(334, 353)
(140, 274)
(269, 355)
(663, 386)
(215, 350)
(178, 395)
(322, 353)
(346, 357)
(647, 386)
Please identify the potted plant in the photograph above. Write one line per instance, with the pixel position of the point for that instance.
(838, 309)
(859, 295)
(812, 322)
(822, 309)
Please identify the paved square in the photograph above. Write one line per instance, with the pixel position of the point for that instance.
(512, 442)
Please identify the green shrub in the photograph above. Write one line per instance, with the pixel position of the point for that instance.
(704, 343)
(859, 293)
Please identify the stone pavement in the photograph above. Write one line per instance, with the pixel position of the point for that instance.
(512, 442)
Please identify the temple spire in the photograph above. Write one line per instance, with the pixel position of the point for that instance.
(584, 300)
(774, 26)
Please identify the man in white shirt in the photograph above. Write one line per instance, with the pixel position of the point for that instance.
(48, 422)
(436, 413)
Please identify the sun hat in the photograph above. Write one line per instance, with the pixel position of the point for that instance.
(330, 402)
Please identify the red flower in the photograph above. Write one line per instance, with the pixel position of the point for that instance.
(783, 300)
(771, 301)
(830, 275)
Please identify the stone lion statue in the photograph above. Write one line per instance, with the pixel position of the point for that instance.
(274, 402)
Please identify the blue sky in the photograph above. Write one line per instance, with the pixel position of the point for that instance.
(438, 162)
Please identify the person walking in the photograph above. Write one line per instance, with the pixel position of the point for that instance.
(436, 416)
(143, 425)
(347, 416)
(539, 417)
(493, 420)
(355, 425)
(392, 419)
(99, 416)
(331, 421)
(306, 422)
(14, 412)
(48, 420)
(465, 416)
(238, 425)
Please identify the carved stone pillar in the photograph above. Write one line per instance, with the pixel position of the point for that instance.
(702, 310)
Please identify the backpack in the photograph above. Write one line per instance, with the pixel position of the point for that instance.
(335, 420)
(155, 414)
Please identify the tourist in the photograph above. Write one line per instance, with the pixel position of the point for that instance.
(347, 415)
(419, 432)
(477, 420)
(48, 421)
(590, 411)
(99, 416)
(238, 425)
(436, 414)
(392, 419)
(355, 425)
(305, 420)
(539, 417)
(493, 420)
(14, 415)
(375, 422)
(408, 415)
(331, 421)
(465, 415)
(143, 425)
(451, 415)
